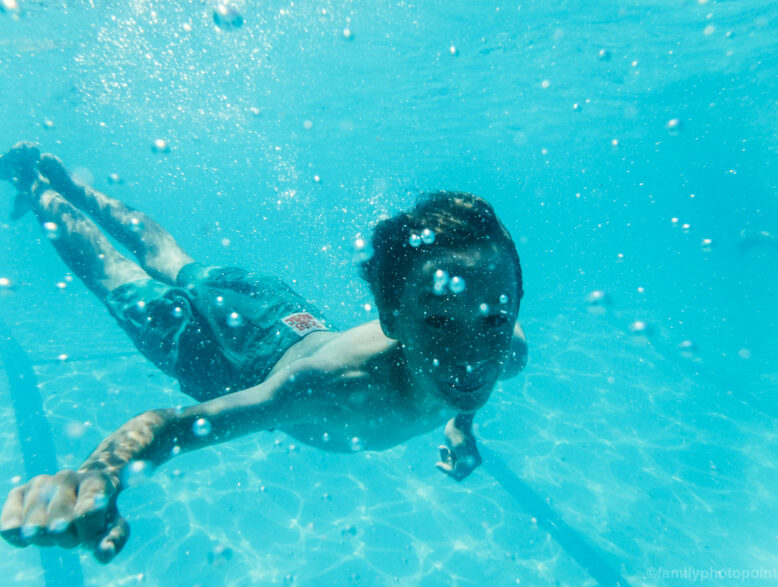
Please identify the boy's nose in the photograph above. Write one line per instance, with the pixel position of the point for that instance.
(471, 366)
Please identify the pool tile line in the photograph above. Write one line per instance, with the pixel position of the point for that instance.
(37, 444)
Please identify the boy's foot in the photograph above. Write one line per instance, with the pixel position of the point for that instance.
(20, 165)
(51, 167)
(22, 205)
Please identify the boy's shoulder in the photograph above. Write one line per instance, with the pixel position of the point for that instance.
(364, 346)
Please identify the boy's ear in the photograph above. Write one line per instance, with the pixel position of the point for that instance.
(388, 323)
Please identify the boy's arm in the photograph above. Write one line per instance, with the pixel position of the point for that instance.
(459, 456)
(79, 507)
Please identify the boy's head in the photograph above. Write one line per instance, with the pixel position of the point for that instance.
(457, 221)
(447, 282)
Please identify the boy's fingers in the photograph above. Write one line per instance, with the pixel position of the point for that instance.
(11, 518)
(60, 514)
(90, 511)
(36, 502)
(445, 453)
(445, 468)
(114, 540)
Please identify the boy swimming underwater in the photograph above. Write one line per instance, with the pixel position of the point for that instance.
(447, 282)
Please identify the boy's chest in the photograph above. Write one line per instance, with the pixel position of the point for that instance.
(368, 416)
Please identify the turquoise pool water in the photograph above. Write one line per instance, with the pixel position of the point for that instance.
(613, 140)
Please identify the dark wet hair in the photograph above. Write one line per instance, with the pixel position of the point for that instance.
(457, 219)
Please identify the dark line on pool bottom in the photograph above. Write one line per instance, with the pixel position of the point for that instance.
(571, 541)
(60, 567)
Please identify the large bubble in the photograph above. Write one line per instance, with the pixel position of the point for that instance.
(227, 17)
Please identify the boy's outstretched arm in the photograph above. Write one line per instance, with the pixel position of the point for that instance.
(459, 456)
(79, 507)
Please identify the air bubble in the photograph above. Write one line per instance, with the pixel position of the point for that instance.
(362, 250)
(134, 474)
(688, 349)
(503, 299)
(456, 285)
(227, 18)
(435, 363)
(74, 430)
(115, 179)
(9, 7)
(325, 437)
(674, 125)
(51, 229)
(347, 34)
(469, 368)
(440, 282)
(640, 328)
(6, 283)
(356, 444)
(135, 224)
(201, 427)
(219, 301)
(604, 55)
(219, 555)
(178, 312)
(414, 240)
(29, 531)
(160, 146)
(599, 297)
(707, 245)
(234, 320)
(307, 125)
(427, 236)
(483, 309)
(453, 51)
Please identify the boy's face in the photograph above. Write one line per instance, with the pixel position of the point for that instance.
(455, 342)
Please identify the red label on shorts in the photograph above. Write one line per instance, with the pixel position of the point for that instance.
(303, 323)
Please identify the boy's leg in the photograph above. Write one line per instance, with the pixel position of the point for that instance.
(156, 250)
(80, 243)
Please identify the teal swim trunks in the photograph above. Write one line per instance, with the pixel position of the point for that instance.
(218, 329)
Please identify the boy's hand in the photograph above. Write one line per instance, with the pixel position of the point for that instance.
(460, 456)
(66, 510)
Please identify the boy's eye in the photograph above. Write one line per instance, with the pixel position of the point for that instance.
(436, 321)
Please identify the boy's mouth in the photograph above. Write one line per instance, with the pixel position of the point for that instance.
(467, 387)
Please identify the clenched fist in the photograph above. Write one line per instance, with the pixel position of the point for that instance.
(66, 509)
